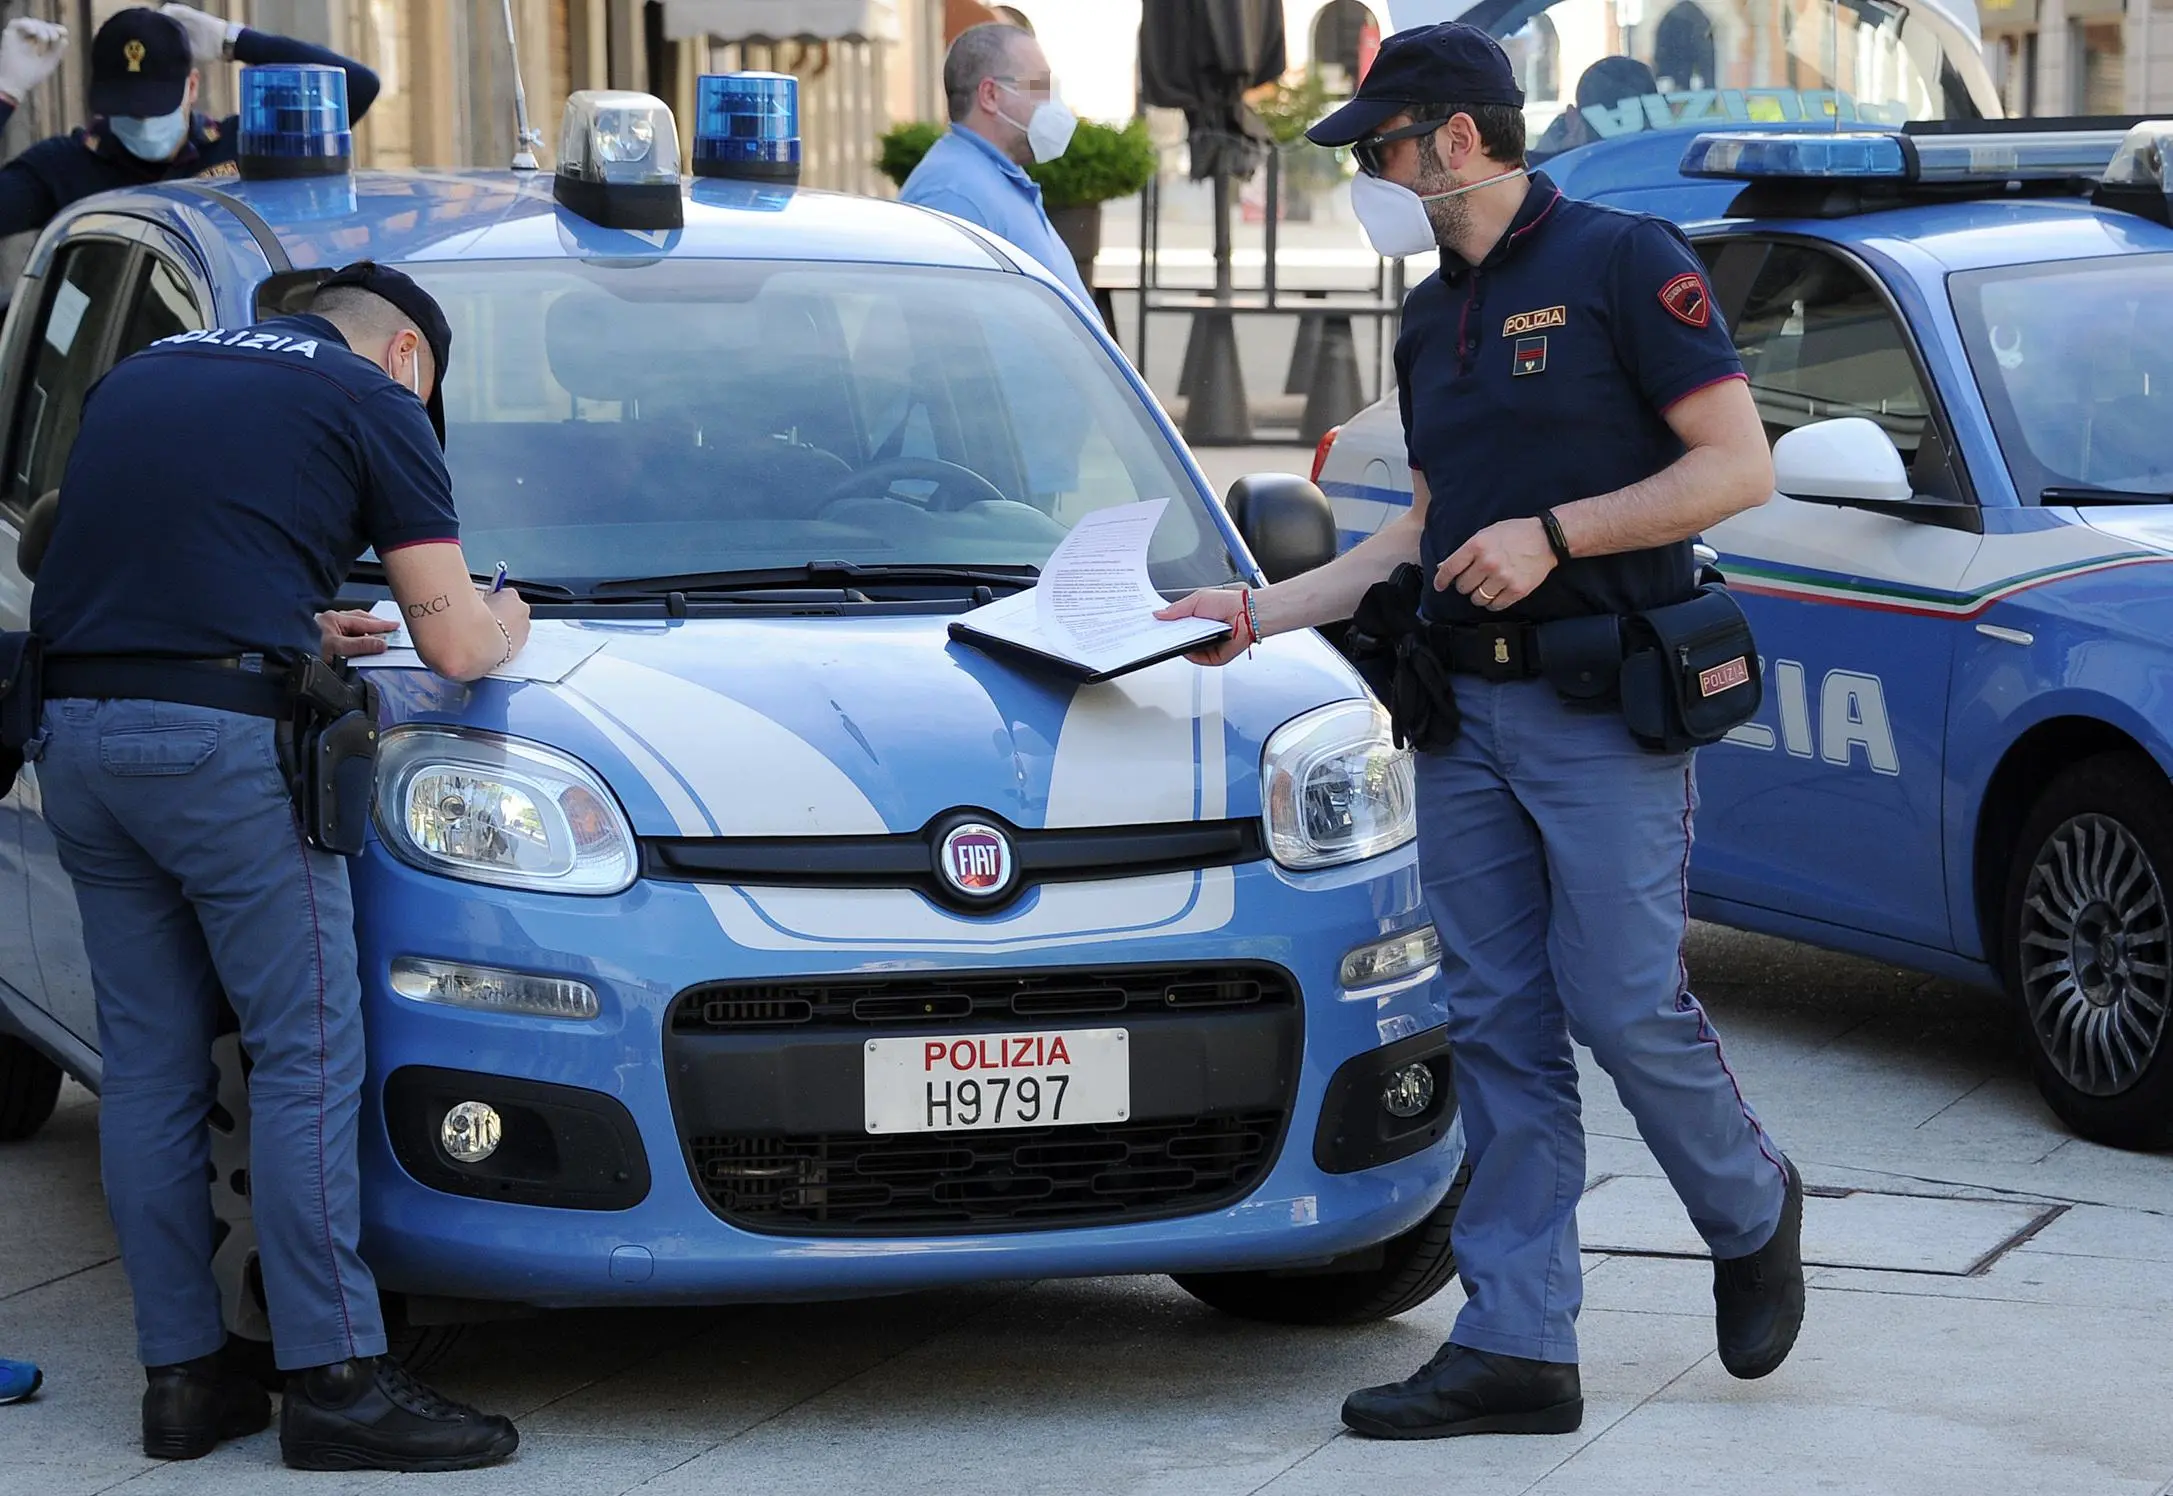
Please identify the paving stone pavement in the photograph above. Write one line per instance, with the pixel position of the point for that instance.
(2047, 1371)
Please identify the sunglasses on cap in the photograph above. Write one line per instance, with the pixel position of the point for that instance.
(1370, 153)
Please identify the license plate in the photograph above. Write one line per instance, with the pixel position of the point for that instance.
(979, 1082)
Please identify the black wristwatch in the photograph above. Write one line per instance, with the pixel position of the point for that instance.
(1557, 542)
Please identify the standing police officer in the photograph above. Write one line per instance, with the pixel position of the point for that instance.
(143, 125)
(178, 605)
(1575, 413)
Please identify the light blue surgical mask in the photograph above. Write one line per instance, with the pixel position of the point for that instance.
(154, 139)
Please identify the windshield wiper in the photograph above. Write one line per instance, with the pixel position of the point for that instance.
(833, 573)
(373, 573)
(2082, 494)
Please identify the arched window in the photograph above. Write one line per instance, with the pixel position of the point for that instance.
(1345, 36)
(1682, 49)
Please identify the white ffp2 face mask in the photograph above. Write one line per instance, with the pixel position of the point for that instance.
(1048, 129)
(1394, 217)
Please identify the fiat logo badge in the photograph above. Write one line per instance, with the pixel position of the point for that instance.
(975, 859)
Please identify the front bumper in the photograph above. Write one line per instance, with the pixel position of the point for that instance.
(1320, 1197)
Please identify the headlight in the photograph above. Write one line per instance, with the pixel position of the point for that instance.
(1391, 960)
(492, 809)
(1337, 787)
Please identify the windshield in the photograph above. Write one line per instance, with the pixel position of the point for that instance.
(2075, 359)
(635, 419)
(1598, 69)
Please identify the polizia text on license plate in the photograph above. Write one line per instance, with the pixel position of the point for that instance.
(979, 1082)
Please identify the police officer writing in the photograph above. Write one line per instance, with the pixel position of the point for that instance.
(143, 125)
(1575, 413)
(178, 603)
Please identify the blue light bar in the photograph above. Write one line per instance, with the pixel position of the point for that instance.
(747, 125)
(1826, 154)
(294, 122)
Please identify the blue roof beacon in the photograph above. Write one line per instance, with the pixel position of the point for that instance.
(294, 122)
(747, 126)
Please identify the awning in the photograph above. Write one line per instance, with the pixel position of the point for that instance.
(782, 20)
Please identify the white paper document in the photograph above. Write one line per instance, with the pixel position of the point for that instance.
(1091, 615)
(554, 648)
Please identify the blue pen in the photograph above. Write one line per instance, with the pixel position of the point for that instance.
(498, 578)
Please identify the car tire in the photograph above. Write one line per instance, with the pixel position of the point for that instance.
(2087, 948)
(1376, 1283)
(29, 1089)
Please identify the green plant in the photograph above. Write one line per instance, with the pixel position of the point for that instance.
(1292, 107)
(904, 145)
(1103, 162)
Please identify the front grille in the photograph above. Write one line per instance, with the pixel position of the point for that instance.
(739, 1007)
(837, 1184)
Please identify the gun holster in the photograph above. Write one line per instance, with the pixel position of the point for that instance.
(1389, 645)
(331, 743)
(22, 697)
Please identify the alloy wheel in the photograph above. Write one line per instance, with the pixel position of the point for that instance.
(2095, 954)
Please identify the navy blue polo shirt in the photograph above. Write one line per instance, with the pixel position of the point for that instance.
(1542, 375)
(222, 485)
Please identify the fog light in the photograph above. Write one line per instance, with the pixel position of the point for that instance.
(1387, 960)
(1408, 1092)
(491, 989)
(470, 1131)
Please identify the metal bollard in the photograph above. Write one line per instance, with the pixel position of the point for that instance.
(1215, 411)
(1333, 394)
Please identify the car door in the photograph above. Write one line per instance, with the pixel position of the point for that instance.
(1827, 806)
(108, 297)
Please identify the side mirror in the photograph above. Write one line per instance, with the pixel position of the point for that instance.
(1847, 460)
(37, 533)
(1286, 522)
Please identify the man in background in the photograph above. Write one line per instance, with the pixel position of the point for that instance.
(1005, 116)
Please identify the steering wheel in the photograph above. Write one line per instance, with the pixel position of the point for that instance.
(963, 483)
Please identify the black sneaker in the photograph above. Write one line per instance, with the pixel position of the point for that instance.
(189, 1407)
(1463, 1391)
(369, 1414)
(1758, 1298)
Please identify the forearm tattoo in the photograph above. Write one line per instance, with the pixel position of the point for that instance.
(437, 604)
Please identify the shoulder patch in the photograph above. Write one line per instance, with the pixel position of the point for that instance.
(1686, 300)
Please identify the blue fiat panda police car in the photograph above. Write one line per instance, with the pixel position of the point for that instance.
(1960, 336)
(781, 946)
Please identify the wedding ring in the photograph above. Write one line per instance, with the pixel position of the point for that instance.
(1487, 597)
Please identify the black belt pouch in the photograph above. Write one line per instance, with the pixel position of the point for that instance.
(1690, 674)
(21, 699)
(1582, 657)
(335, 751)
(1388, 644)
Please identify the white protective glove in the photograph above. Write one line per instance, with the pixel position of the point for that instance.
(29, 52)
(207, 34)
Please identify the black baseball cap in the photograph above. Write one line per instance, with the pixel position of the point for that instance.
(1448, 63)
(140, 65)
(421, 308)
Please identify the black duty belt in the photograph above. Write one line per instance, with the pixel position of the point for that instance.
(1495, 651)
(225, 685)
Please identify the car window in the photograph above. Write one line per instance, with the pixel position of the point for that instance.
(87, 281)
(2075, 359)
(163, 306)
(614, 420)
(1818, 341)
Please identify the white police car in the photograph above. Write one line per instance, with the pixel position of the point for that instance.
(784, 947)
(1961, 340)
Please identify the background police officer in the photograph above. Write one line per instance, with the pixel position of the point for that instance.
(169, 597)
(1575, 413)
(144, 126)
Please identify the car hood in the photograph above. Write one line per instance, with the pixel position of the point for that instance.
(843, 726)
(2140, 524)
